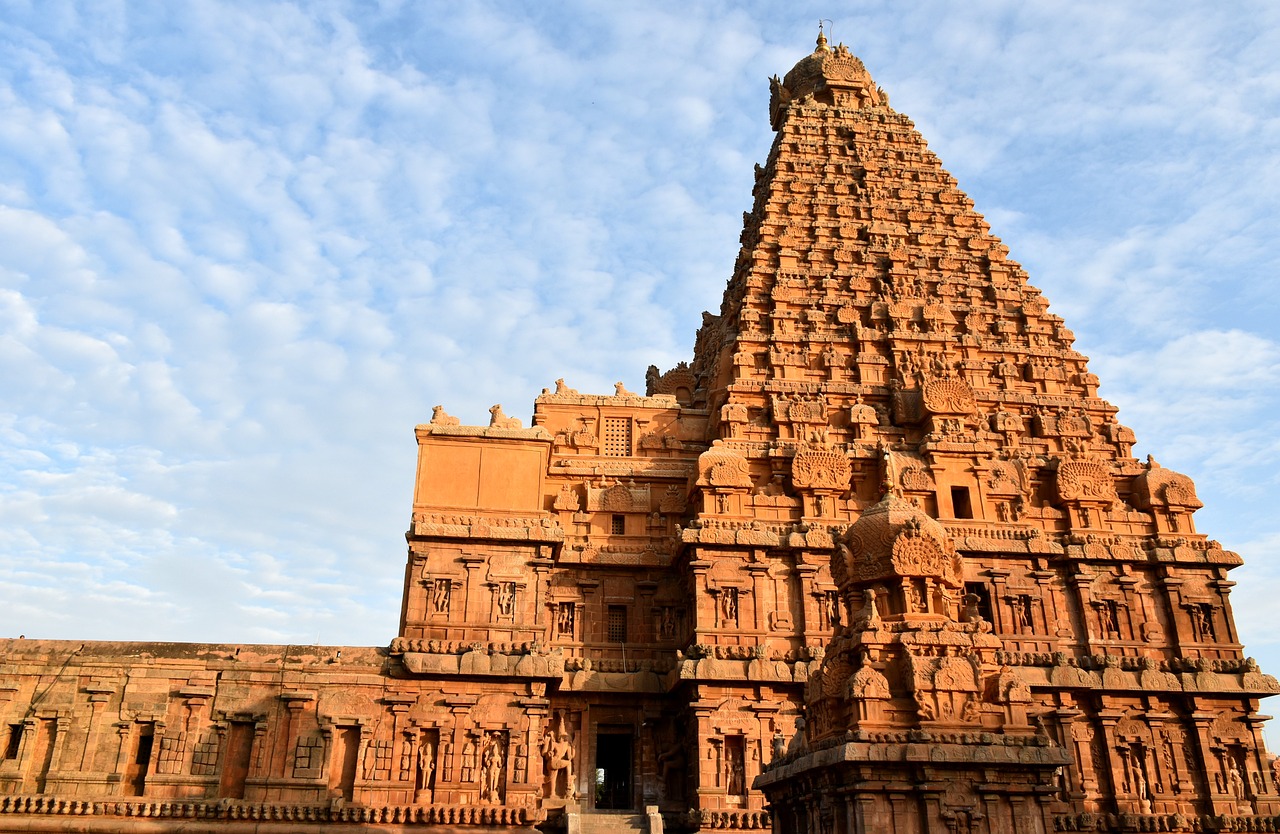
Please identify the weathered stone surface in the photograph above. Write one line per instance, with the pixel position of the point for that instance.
(883, 497)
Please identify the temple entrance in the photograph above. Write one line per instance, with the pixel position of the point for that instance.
(613, 771)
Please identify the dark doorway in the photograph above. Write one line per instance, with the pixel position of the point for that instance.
(135, 775)
(235, 765)
(613, 772)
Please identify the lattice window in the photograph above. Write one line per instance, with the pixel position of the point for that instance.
(617, 437)
(618, 524)
(617, 624)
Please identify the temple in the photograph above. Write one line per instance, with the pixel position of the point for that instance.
(878, 558)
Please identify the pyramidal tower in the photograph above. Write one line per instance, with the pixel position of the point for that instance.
(877, 559)
(993, 589)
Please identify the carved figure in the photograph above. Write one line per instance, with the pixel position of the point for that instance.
(440, 418)
(494, 766)
(729, 605)
(563, 389)
(1235, 779)
(779, 745)
(441, 590)
(506, 598)
(832, 600)
(426, 766)
(1022, 612)
(667, 623)
(620, 390)
(469, 761)
(651, 377)
(1201, 625)
(498, 420)
(568, 499)
(1141, 788)
(557, 755)
(735, 772)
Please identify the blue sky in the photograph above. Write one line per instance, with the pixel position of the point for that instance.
(246, 246)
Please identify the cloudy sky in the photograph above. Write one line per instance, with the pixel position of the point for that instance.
(246, 246)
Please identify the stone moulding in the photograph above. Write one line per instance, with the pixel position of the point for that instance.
(984, 749)
(544, 529)
(493, 432)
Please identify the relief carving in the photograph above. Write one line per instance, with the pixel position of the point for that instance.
(722, 466)
(820, 468)
(949, 396)
(1084, 480)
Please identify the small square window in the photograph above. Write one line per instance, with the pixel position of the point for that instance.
(960, 503)
(617, 437)
(618, 525)
(617, 624)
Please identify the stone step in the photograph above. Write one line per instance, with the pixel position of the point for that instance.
(604, 823)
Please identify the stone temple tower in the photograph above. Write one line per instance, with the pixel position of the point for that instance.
(877, 559)
(1027, 631)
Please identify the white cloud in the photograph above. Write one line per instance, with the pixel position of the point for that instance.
(244, 248)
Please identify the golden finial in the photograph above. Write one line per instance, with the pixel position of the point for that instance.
(822, 39)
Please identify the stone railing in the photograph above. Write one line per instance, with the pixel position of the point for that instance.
(719, 820)
(1164, 822)
(487, 815)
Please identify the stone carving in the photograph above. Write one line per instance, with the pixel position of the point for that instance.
(440, 418)
(506, 596)
(468, 774)
(673, 501)
(735, 771)
(426, 766)
(441, 592)
(498, 420)
(721, 466)
(568, 500)
(916, 478)
(565, 619)
(494, 767)
(1160, 487)
(948, 396)
(820, 468)
(557, 755)
(1084, 480)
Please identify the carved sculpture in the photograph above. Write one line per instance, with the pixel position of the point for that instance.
(498, 420)
(440, 418)
(557, 754)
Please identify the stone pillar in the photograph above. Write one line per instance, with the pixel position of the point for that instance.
(1220, 799)
(1057, 620)
(809, 618)
(1224, 626)
(469, 601)
(759, 573)
(541, 564)
(999, 593)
